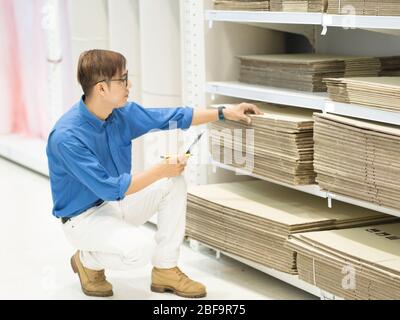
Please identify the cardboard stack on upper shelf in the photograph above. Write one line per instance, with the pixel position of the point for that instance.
(241, 5)
(360, 159)
(306, 71)
(364, 7)
(377, 92)
(298, 5)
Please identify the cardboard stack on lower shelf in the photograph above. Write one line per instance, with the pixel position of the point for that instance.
(358, 263)
(253, 219)
(306, 71)
(360, 159)
(241, 5)
(277, 145)
(377, 92)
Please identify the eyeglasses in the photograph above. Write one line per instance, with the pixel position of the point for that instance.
(124, 79)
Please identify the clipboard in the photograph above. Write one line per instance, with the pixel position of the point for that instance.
(188, 152)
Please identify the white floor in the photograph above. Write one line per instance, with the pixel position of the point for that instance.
(35, 256)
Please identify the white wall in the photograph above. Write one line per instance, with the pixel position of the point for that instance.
(124, 37)
(160, 67)
(89, 30)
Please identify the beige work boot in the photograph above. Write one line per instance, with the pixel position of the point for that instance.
(174, 280)
(93, 282)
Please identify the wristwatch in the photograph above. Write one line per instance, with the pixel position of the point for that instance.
(221, 113)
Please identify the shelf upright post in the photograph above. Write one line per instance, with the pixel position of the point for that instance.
(193, 75)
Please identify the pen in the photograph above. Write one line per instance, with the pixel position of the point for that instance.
(187, 155)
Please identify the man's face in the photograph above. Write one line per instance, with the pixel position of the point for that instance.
(118, 90)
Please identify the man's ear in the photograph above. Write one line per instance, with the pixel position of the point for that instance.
(101, 88)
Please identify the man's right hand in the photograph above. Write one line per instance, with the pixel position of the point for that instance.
(172, 166)
(168, 168)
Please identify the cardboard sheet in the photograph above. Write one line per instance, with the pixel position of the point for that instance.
(253, 219)
(372, 252)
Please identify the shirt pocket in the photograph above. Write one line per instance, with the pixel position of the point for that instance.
(125, 156)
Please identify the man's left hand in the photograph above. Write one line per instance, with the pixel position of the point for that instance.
(238, 112)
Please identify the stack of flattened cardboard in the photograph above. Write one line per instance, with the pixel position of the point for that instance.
(304, 71)
(275, 5)
(241, 5)
(298, 5)
(277, 145)
(377, 92)
(360, 159)
(359, 263)
(253, 219)
(364, 7)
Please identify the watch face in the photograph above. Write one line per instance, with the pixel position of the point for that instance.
(220, 113)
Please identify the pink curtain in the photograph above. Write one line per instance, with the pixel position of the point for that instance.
(11, 95)
(28, 75)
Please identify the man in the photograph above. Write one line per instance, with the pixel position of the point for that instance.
(101, 205)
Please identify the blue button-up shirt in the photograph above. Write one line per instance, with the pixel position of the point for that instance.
(90, 159)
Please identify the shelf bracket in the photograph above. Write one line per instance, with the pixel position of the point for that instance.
(329, 201)
(326, 21)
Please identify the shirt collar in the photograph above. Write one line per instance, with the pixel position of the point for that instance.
(90, 117)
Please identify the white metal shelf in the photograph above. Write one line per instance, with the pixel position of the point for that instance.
(314, 190)
(376, 23)
(264, 17)
(268, 94)
(293, 280)
(362, 112)
(362, 22)
(306, 24)
(301, 99)
(310, 188)
(364, 204)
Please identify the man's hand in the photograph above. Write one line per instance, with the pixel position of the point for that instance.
(172, 166)
(238, 112)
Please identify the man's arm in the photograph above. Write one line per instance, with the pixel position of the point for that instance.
(235, 113)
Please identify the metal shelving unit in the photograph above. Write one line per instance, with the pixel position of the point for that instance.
(306, 24)
(318, 102)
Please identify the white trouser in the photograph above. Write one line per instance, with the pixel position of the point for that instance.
(110, 236)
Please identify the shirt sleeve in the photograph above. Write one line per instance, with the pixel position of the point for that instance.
(79, 161)
(141, 120)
